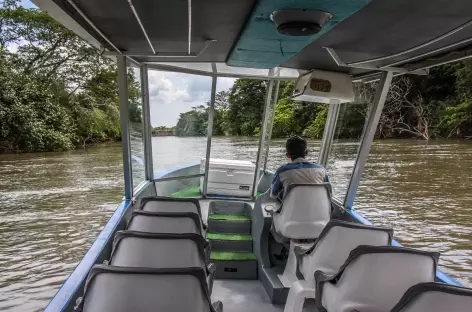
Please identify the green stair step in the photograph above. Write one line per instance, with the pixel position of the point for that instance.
(229, 217)
(190, 192)
(232, 256)
(229, 237)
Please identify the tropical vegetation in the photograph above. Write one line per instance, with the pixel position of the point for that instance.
(425, 107)
(56, 91)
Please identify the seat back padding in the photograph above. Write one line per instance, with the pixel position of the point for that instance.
(305, 211)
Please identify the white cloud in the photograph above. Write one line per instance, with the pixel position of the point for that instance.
(173, 93)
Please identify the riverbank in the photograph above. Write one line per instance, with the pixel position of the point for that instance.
(118, 142)
(77, 147)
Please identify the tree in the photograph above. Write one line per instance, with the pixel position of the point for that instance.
(246, 105)
(56, 91)
(193, 123)
(31, 114)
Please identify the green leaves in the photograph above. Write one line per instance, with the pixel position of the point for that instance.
(56, 91)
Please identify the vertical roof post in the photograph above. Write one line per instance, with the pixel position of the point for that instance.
(211, 115)
(147, 128)
(271, 123)
(263, 131)
(329, 131)
(367, 137)
(124, 118)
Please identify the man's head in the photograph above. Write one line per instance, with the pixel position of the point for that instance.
(296, 147)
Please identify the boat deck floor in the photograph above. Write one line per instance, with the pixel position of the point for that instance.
(244, 295)
(248, 296)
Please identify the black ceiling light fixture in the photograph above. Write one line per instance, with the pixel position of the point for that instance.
(299, 22)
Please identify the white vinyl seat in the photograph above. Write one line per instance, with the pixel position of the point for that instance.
(333, 246)
(172, 205)
(167, 204)
(374, 278)
(165, 222)
(305, 211)
(153, 250)
(328, 254)
(435, 297)
(124, 289)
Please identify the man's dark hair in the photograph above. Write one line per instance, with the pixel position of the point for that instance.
(296, 147)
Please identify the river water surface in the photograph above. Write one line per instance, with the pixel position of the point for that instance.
(54, 204)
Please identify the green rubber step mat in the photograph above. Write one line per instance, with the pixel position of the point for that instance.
(232, 256)
(229, 217)
(230, 237)
(190, 192)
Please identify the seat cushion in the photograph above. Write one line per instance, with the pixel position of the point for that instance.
(125, 292)
(170, 206)
(160, 224)
(305, 211)
(337, 241)
(135, 251)
(375, 279)
(435, 297)
(298, 229)
(436, 301)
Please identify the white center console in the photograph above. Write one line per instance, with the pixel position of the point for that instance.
(228, 177)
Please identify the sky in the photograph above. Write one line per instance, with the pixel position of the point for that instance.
(173, 93)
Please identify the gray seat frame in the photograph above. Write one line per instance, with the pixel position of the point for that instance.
(415, 291)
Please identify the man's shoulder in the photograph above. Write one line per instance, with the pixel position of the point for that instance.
(309, 164)
(298, 165)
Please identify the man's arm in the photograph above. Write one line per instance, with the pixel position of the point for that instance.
(326, 178)
(277, 186)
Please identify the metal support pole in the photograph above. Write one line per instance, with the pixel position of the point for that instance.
(124, 118)
(368, 137)
(262, 135)
(147, 129)
(329, 131)
(271, 124)
(210, 128)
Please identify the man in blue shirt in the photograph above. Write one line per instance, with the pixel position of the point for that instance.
(299, 171)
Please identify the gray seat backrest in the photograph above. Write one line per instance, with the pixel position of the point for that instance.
(305, 211)
(435, 297)
(121, 289)
(374, 278)
(160, 222)
(336, 242)
(166, 204)
(137, 249)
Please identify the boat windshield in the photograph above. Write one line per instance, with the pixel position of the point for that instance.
(346, 140)
(136, 125)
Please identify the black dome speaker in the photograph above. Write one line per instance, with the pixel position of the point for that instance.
(299, 22)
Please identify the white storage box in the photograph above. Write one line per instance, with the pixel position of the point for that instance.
(229, 177)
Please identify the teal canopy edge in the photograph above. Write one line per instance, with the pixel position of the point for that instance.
(262, 46)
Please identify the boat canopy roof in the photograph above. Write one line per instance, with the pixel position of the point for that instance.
(361, 37)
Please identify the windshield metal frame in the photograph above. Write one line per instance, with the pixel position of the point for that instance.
(264, 137)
